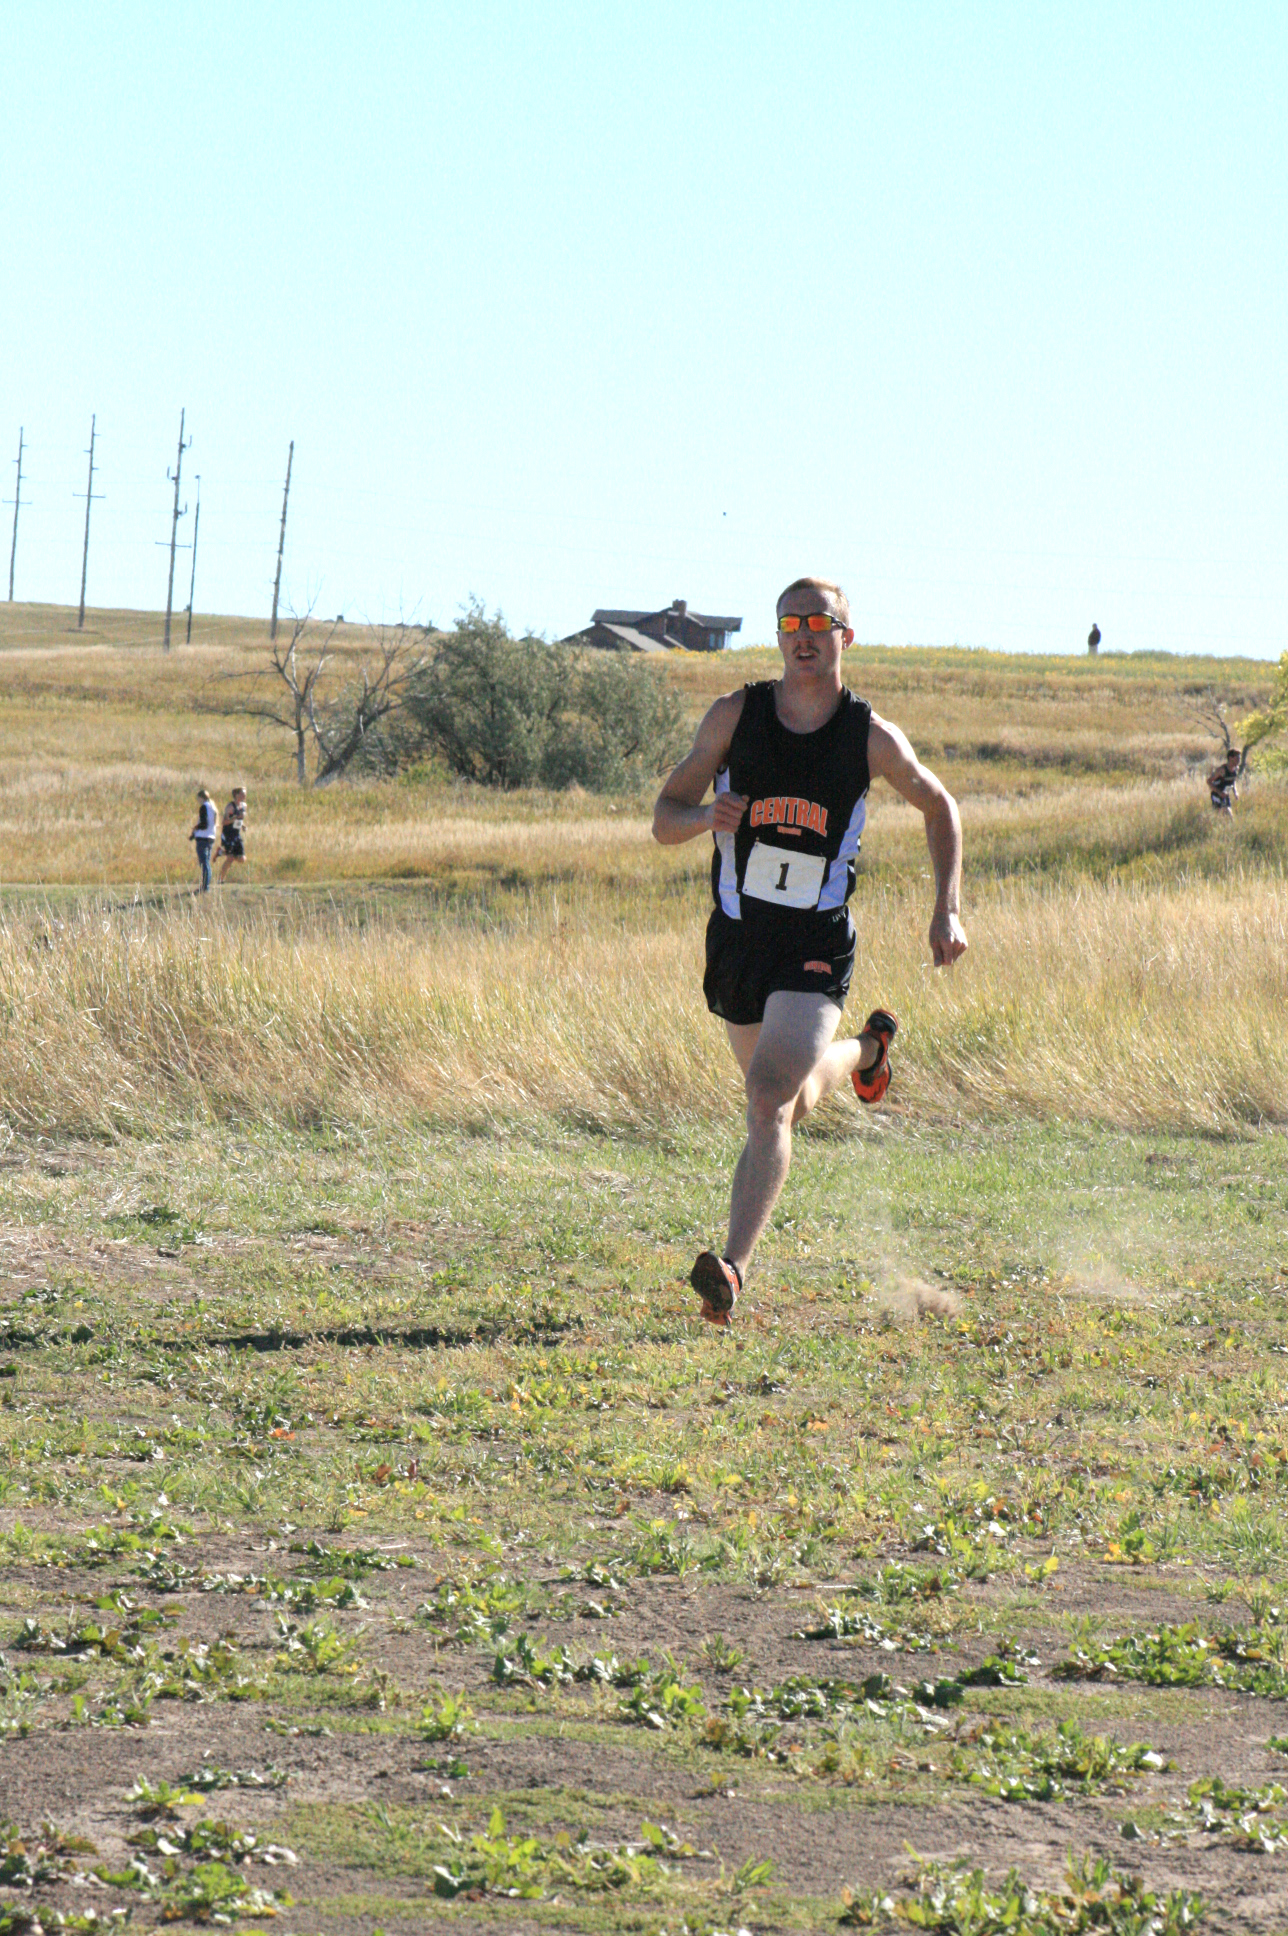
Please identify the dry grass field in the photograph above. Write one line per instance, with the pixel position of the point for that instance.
(384, 1543)
(424, 947)
(105, 745)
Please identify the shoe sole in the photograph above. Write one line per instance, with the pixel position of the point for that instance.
(712, 1286)
(887, 1027)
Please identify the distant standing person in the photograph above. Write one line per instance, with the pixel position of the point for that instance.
(232, 842)
(1221, 782)
(204, 834)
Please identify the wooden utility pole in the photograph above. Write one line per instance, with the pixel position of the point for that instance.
(90, 495)
(174, 529)
(192, 582)
(281, 542)
(17, 500)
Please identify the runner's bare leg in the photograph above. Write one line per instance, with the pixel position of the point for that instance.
(833, 1068)
(789, 1062)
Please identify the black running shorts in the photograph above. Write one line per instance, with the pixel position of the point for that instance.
(747, 964)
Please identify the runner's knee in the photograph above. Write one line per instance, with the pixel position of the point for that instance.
(771, 1098)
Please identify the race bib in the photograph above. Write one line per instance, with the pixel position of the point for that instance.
(783, 877)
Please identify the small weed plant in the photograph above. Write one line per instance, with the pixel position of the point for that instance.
(495, 1863)
(1253, 1819)
(1019, 1767)
(1249, 1660)
(959, 1901)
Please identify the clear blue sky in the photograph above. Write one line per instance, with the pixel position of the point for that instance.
(981, 309)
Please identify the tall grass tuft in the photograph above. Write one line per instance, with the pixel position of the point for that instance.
(1140, 1006)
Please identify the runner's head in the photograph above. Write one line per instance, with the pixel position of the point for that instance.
(812, 598)
(1232, 757)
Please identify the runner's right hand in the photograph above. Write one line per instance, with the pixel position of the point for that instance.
(727, 810)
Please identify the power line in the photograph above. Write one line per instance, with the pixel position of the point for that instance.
(17, 500)
(90, 495)
(281, 541)
(174, 529)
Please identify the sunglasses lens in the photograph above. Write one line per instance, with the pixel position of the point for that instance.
(816, 621)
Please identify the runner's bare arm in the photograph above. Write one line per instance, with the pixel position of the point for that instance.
(890, 755)
(679, 813)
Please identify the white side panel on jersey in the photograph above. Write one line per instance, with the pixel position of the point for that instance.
(728, 864)
(838, 874)
(783, 875)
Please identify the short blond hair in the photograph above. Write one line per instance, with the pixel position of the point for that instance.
(840, 603)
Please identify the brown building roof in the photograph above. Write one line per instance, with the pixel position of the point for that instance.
(675, 627)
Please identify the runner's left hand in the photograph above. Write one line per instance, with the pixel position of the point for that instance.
(947, 939)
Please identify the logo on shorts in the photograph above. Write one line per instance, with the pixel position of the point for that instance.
(817, 967)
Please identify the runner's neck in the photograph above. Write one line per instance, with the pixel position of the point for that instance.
(803, 706)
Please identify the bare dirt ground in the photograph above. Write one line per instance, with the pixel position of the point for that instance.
(556, 1761)
(379, 1530)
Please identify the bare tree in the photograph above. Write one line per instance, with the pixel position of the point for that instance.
(1209, 709)
(340, 726)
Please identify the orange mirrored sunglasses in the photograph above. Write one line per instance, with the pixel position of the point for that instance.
(814, 621)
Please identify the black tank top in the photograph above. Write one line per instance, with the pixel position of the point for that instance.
(794, 851)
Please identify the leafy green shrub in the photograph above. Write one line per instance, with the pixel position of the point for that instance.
(510, 712)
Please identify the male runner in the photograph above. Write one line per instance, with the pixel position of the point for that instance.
(792, 759)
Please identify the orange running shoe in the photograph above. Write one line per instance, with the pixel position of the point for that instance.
(717, 1282)
(871, 1084)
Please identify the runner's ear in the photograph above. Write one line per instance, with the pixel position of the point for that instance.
(847, 637)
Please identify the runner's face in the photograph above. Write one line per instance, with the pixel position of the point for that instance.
(806, 654)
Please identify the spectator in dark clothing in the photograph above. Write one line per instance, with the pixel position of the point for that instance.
(1221, 782)
(232, 843)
